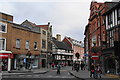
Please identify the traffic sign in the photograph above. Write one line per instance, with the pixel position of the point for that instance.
(95, 56)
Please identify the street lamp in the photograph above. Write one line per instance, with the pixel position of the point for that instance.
(28, 56)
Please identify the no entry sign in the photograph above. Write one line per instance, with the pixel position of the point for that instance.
(95, 56)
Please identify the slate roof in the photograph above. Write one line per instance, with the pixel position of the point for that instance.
(61, 45)
(111, 6)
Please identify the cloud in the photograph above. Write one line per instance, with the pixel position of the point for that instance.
(68, 17)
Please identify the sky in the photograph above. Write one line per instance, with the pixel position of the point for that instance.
(68, 17)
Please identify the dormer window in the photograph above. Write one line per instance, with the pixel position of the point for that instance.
(3, 27)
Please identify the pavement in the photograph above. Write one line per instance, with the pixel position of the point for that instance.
(32, 71)
(81, 74)
(85, 75)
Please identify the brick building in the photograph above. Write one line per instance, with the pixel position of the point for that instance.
(20, 41)
(76, 46)
(21, 45)
(95, 31)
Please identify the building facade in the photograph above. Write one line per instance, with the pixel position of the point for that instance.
(77, 48)
(22, 45)
(62, 53)
(95, 32)
(111, 52)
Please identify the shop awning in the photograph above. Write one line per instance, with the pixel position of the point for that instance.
(6, 54)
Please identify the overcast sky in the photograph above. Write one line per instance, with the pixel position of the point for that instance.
(68, 17)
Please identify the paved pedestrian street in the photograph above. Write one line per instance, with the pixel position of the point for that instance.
(66, 74)
(48, 76)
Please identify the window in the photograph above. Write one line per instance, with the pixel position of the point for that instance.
(118, 15)
(3, 27)
(44, 32)
(43, 43)
(98, 23)
(110, 19)
(94, 41)
(35, 45)
(27, 45)
(17, 43)
(2, 44)
(118, 12)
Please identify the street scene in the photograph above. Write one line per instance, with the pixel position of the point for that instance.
(59, 40)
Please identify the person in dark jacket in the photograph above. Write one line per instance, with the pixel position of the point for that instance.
(92, 70)
(58, 69)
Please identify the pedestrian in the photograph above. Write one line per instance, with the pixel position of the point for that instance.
(92, 70)
(53, 65)
(82, 65)
(58, 69)
(99, 71)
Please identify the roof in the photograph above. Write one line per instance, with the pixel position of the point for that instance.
(61, 45)
(112, 6)
(43, 26)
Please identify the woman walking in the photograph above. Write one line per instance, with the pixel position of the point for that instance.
(92, 70)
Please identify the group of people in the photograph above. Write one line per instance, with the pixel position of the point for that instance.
(95, 71)
(76, 66)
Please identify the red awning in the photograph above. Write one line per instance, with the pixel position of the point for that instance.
(6, 54)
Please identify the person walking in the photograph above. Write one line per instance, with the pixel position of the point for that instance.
(99, 71)
(58, 69)
(92, 70)
(53, 65)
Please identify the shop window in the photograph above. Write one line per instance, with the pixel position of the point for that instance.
(27, 45)
(3, 27)
(2, 44)
(35, 45)
(17, 43)
(43, 43)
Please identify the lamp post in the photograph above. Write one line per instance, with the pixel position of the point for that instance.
(28, 56)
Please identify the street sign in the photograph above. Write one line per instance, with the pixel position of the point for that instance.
(95, 56)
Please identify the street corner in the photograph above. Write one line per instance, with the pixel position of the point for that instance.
(75, 75)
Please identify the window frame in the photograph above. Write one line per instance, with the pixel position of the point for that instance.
(44, 32)
(1, 23)
(3, 47)
(18, 43)
(43, 44)
(35, 44)
(27, 45)
(118, 14)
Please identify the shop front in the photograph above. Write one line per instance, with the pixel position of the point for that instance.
(5, 60)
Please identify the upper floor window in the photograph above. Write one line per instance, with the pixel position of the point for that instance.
(17, 43)
(118, 12)
(3, 27)
(35, 45)
(27, 45)
(43, 43)
(2, 44)
(44, 32)
(110, 18)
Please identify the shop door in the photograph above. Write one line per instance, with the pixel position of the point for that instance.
(43, 63)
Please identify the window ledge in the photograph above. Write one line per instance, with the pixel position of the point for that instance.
(17, 48)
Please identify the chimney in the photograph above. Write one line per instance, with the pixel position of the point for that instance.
(58, 37)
